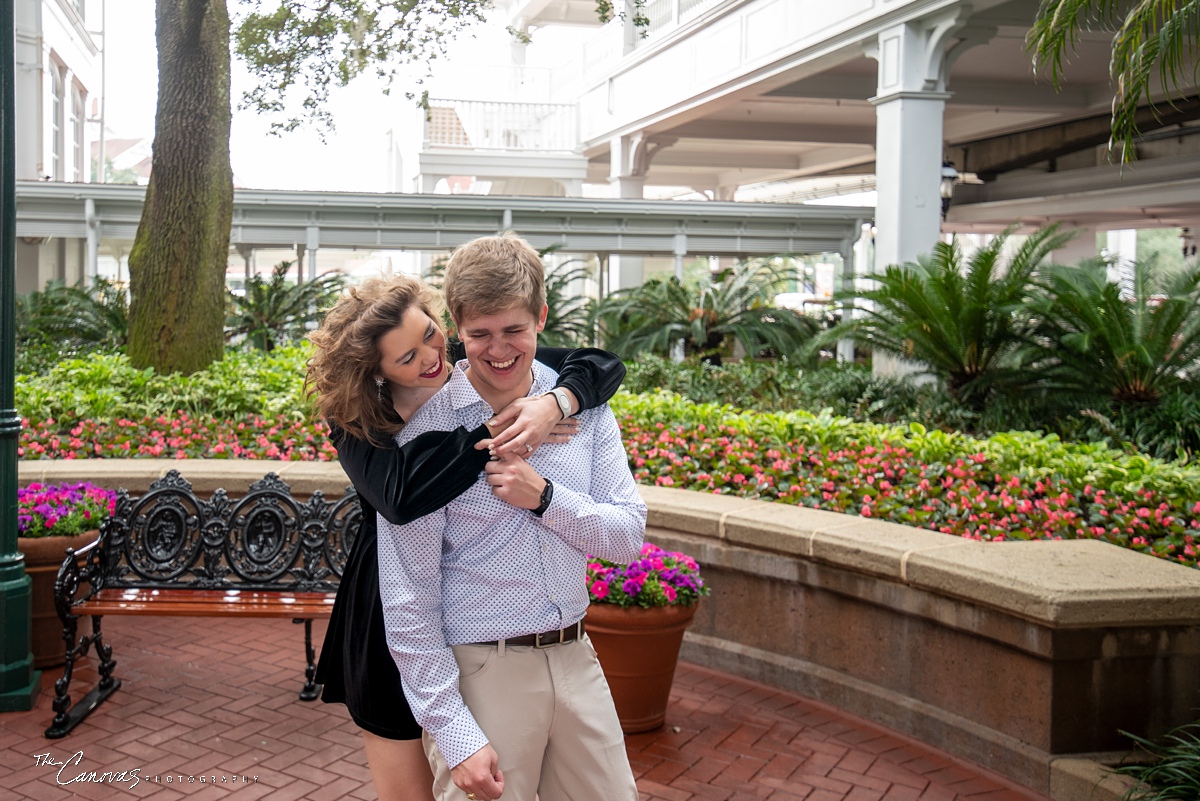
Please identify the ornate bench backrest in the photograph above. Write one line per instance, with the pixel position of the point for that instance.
(266, 540)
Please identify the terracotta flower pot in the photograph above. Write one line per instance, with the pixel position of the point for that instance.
(43, 557)
(638, 650)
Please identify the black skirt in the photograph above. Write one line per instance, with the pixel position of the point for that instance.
(356, 667)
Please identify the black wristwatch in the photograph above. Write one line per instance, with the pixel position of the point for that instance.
(544, 502)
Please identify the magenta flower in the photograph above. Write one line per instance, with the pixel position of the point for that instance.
(658, 578)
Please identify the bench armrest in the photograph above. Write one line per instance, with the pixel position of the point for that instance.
(72, 575)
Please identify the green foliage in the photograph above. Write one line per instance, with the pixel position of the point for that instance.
(962, 320)
(107, 386)
(1175, 773)
(1151, 37)
(1093, 340)
(779, 385)
(275, 311)
(61, 321)
(569, 321)
(708, 316)
(306, 48)
(1029, 455)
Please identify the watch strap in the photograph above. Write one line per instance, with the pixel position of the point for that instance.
(547, 496)
(563, 401)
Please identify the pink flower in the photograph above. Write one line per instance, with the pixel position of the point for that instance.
(600, 589)
(669, 591)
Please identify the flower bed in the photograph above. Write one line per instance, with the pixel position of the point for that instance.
(1018, 485)
(177, 437)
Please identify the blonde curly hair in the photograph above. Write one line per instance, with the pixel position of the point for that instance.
(345, 360)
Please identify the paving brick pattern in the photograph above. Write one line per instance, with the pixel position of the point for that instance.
(207, 697)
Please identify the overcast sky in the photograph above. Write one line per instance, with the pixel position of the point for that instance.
(353, 157)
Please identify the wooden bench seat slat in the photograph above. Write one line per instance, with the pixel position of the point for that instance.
(207, 603)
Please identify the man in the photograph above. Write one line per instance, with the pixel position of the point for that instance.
(484, 600)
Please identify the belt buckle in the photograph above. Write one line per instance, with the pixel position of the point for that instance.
(537, 640)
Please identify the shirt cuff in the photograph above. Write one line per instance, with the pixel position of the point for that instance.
(460, 738)
(563, 509)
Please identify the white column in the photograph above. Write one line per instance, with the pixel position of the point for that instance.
(312, 243)
(627, 172)
(1083, 246)
(92, 268)
(908, 147)
(909, 105)
(32, 96)
(1121, 249)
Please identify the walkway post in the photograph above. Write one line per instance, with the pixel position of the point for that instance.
(19, 682)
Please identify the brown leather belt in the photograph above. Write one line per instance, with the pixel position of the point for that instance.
(546, 639)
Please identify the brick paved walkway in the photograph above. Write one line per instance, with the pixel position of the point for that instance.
(207, 697)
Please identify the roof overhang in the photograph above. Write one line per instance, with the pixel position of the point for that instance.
(277, 218)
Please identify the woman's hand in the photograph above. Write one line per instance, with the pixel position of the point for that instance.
(526, 423)
(514, 481)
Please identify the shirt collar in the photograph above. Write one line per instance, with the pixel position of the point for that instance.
(463, 394)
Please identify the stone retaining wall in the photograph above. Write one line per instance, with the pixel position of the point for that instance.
(1007, 654)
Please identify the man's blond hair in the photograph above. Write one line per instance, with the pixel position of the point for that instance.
(494, 273)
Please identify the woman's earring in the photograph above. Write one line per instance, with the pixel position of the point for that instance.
(379, 382)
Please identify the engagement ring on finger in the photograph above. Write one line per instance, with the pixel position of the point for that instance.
(528, 448)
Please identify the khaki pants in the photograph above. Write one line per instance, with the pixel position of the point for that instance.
(550, 717)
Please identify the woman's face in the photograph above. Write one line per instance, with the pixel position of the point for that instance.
(413, 354)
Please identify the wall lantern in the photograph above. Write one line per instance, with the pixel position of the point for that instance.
(1189, 242)
(949, 178)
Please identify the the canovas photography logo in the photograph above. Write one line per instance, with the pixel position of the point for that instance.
(74, 770)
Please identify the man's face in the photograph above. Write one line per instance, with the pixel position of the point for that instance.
(501, 347)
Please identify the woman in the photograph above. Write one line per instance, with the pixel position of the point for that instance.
(379, 355)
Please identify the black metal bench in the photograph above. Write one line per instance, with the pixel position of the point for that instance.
(172, 553)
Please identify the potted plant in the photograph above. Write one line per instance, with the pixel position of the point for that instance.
(50, 519)
(636, 620)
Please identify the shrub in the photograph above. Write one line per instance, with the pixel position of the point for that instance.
(1094, 339)
(104, 386)
(274, 311)
(962, 320)
(708, 316)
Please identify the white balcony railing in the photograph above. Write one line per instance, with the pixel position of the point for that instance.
(666, 14)
(485, 125)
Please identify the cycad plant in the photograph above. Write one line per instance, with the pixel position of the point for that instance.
(1092, 339)
(707, 316)
(570, 319)
(60, 321)
(274, 311)
(962, 318)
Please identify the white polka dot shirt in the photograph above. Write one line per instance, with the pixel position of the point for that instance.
(481, 570)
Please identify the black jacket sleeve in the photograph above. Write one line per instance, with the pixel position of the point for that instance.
(593, 375)
(405, 483)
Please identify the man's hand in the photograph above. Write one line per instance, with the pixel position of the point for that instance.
(480, 775)
(515, 482)
(527, 423)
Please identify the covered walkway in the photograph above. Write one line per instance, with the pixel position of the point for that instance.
(203, 698)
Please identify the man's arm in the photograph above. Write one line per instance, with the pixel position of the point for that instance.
(410, 588)
(609, 521)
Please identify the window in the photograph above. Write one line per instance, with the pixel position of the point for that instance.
(56, 123)
(77, 133)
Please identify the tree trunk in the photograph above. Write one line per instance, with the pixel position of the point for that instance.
(177, 264)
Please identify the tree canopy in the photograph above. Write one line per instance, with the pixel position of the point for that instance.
(297, 50)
